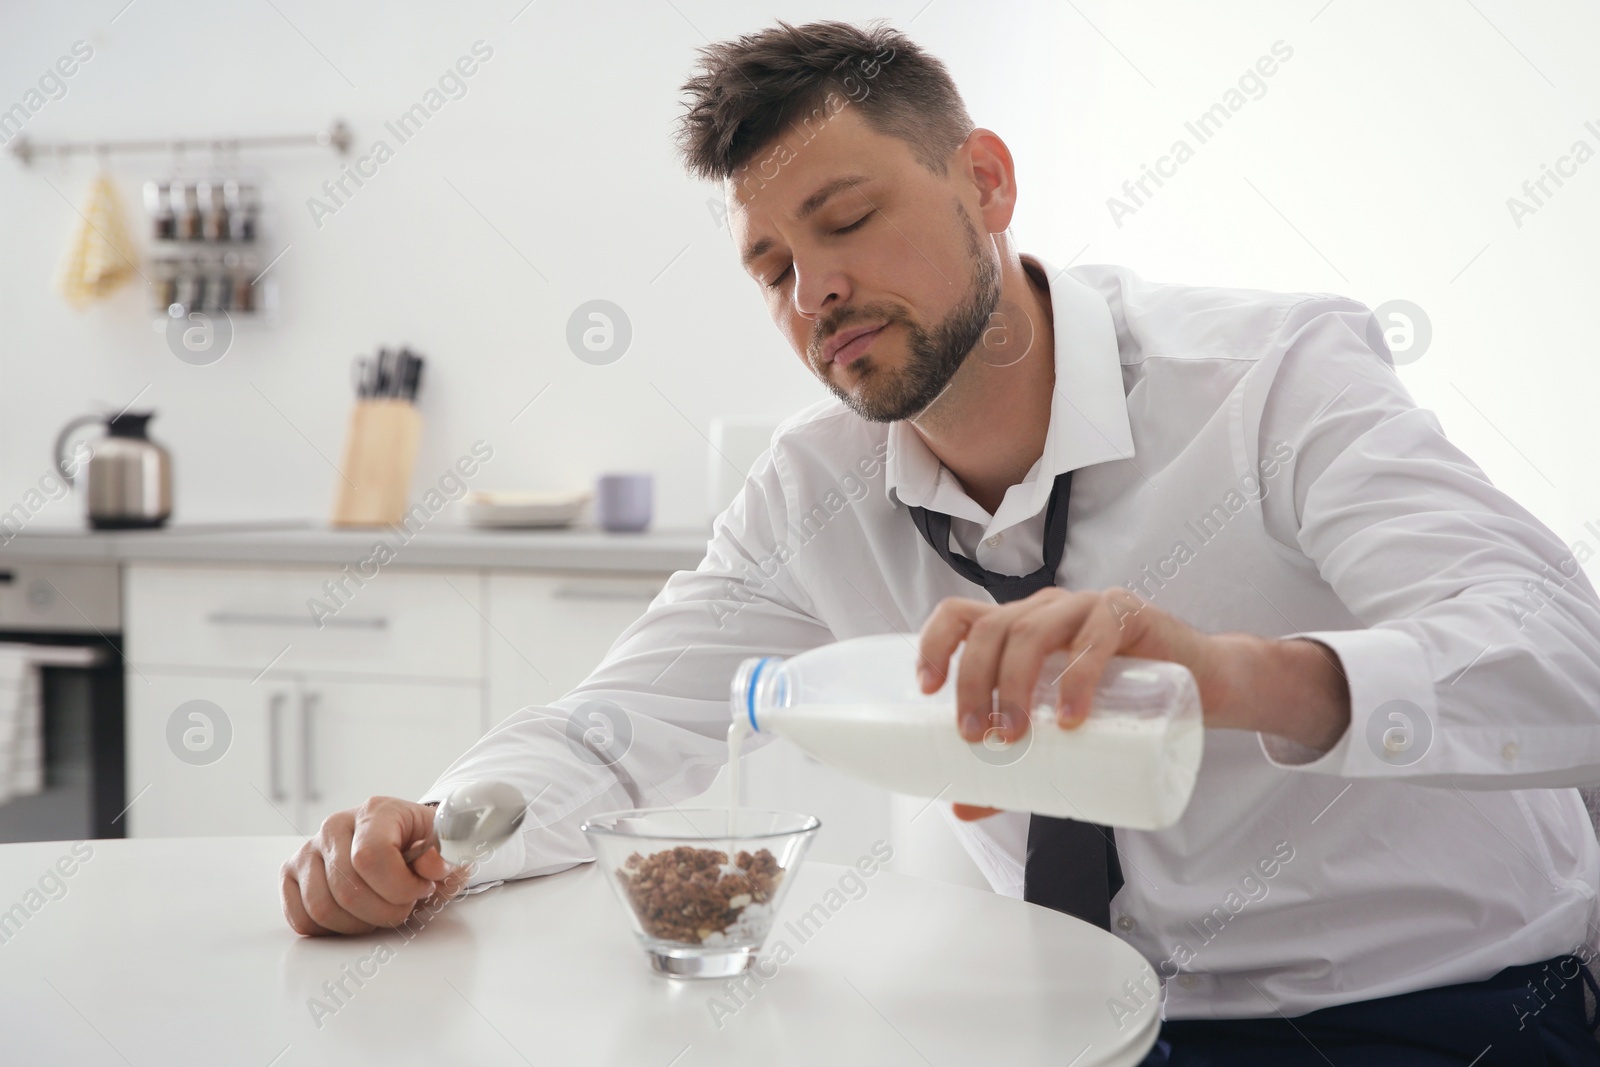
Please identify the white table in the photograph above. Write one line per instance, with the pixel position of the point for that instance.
(175, 951)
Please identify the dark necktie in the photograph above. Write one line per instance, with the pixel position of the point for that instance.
(1072, 866)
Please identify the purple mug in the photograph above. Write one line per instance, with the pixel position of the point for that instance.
(622, 502)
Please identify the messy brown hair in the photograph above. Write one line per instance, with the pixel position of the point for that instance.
(750, 90)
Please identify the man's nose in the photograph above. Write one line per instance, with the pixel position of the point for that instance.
(819, 290)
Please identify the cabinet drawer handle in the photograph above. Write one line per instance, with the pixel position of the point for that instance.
(274, 778)
(308, 708)
(243, 618)
(583, 591)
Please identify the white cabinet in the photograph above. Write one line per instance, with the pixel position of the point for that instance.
(382, 696)
(244, 789)
(304, 719)
(397, 623)
(280, 754)
(548, 631)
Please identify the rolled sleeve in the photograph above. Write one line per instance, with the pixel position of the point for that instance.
(1392, 707)
(1478, 666)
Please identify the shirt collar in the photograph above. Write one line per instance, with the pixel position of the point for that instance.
(1088, 417)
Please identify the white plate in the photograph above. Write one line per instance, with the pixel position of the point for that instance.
(523, 509)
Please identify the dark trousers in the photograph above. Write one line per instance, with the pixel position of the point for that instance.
(1527, 1016)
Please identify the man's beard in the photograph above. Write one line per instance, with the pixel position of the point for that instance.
(886, 395)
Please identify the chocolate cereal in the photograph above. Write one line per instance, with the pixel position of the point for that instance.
(692, 894)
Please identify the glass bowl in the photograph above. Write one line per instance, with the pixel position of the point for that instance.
(700, 885)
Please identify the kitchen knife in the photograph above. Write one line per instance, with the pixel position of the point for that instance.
(411, 377)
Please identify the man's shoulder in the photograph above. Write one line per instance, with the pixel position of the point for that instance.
(1170, 320)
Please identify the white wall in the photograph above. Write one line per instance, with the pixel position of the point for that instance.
(1378, 164)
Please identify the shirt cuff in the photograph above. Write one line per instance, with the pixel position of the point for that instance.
(503, 862)
(1392, 708)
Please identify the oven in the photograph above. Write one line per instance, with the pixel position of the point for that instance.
(61, 701)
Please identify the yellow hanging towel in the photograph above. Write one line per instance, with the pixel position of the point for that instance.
(101, 257)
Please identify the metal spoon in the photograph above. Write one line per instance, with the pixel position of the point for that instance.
(472, 821)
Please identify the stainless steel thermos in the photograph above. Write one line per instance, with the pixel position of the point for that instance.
(129, 476)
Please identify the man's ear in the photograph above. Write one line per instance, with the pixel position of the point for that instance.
(987, 166)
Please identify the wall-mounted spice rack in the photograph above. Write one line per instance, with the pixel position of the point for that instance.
(206, 232)
(205, 250)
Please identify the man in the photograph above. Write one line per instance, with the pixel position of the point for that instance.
(1027, 459)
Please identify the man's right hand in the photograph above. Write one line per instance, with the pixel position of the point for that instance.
(352, 878)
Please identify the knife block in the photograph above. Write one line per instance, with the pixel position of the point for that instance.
(380, 450)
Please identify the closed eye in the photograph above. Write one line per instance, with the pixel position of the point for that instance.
(856, 225)
(852, 228)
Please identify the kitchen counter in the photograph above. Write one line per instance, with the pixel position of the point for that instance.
(584, 548)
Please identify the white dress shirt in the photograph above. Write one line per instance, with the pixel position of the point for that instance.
(1248, 461)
